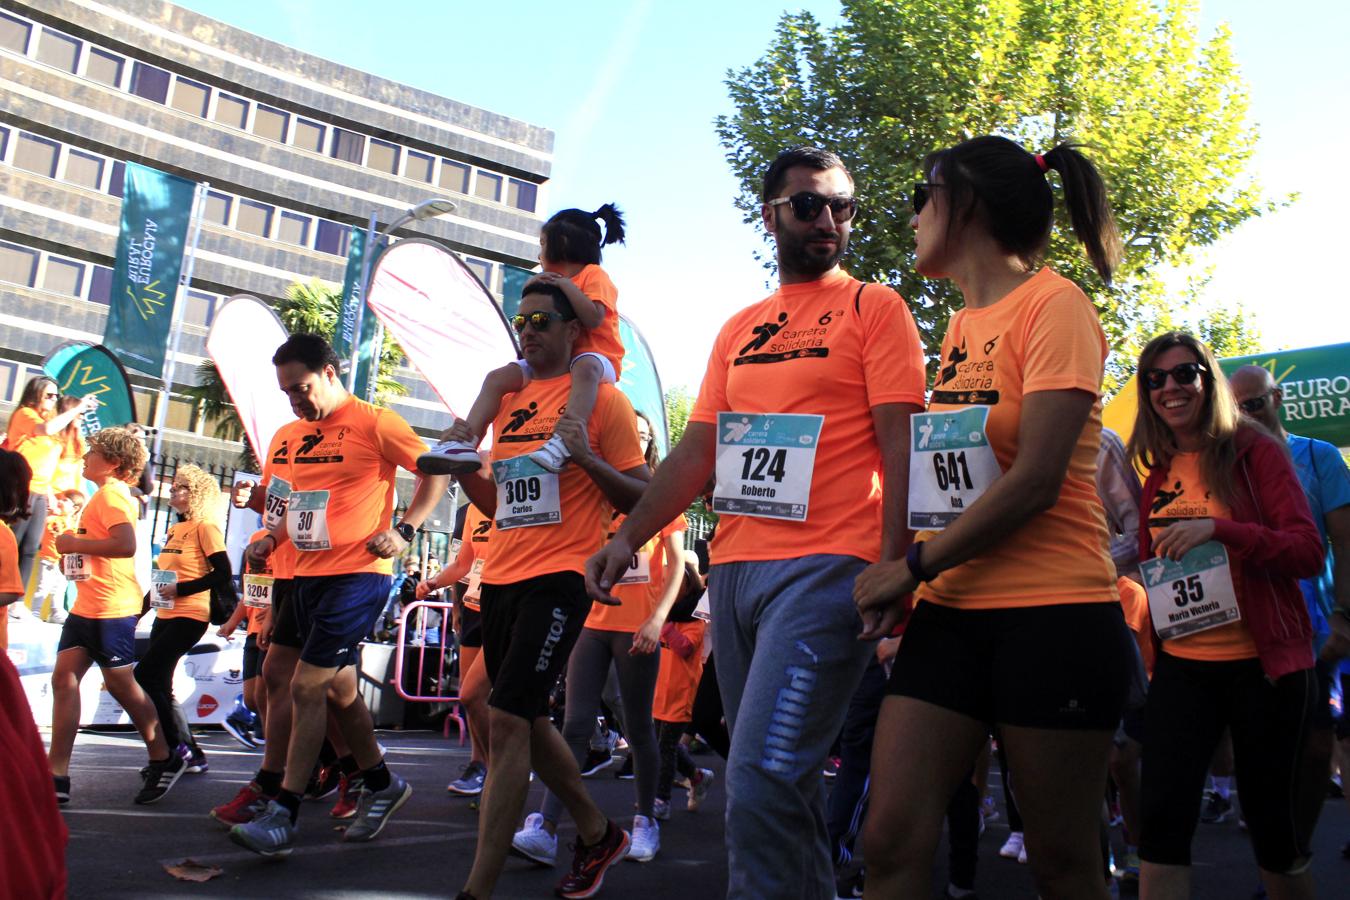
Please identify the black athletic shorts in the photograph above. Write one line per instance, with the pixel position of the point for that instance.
(253, 657)
(285, 623)
(1063, 666)
(470, 627)
(529, 628)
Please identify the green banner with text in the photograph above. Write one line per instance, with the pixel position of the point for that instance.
(353, 298)
(1315, 383)
(83, 369)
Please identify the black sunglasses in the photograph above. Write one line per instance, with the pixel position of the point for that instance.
(806, 206)
(540, 320)
(923, 190)
(1254, 405)
(1184, 373)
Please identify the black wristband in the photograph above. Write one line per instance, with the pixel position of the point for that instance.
(915, 565)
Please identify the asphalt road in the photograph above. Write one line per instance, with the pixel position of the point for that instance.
(119, 850)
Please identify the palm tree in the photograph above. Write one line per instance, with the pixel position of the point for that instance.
(307, 307)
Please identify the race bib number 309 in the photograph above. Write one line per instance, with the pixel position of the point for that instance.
(527, 495)
(765, 463)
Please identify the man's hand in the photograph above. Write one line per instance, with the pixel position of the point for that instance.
(1180, 538)
(881, 594)
(242, 493)
(66, 542)
(604, 569)
(1337, 646)
(386, 544)
(257, 552)
(575, 438)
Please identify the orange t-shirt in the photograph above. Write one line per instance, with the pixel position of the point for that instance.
(70, 469)
(525, 421)
(604, 339)
(43, 452)
(252, 616)
(1184, 495)
(111, 591)
(1134, 603)
(677, 685)
(1044, 336)
(819, 348)
(187, 551)
(640, 599)
(473, 546)
(353, 454)
(282, 559)
(56, 524)
(10, 581)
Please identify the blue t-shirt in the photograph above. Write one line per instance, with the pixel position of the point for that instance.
(1326, 482)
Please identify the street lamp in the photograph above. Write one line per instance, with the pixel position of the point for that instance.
(427, 209)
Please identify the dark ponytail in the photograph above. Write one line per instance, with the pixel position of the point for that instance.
(573, 235)
(999, 182)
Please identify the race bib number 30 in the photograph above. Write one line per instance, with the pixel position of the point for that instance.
(1192, 594)
(258, 591)
(274, 504)
(307, 520)
(527, 495)
(160, 578)
(765, 463)
(950, 465)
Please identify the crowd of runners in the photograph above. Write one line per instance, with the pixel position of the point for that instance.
(907, 577)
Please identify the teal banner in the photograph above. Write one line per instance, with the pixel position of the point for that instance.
(80, 370)
(353, 298)
(513, 280)
(641, 383)
(1315, 383)
(156, 209)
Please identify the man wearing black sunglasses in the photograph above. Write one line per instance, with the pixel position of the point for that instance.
(533, 594)
(803, 416)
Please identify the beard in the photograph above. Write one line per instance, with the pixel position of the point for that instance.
(796, 253)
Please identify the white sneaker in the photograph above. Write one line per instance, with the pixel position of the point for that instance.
(534, 843)
(450, 458)
(646, 839)
(553, 456)
(1013, 847)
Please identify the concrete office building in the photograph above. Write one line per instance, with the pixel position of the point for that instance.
(296, 149)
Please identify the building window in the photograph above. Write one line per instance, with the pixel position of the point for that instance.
(231, 111)
(9, 379)
(308, 135)
(348, 146)
(18, 265)
(4, 142)
(84, 169)
(201, 308)
(100, 284)
(190, 97)
(332, 238)
(63, 276)
(482, 269)
(56, 49)
(254, 218)
(37, 155)
(145, 403)
(103, 66)
(149, 82)
(294, 229)
(270, 123)
(455, 176)
(488, 186)
(522, 194)
(14, 33)
(182, 413)
(218, 207)
(383, 156)
(418, 166)
(116, 180)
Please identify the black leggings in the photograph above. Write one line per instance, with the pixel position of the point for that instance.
(1190, 703)
(674, 756)
(170, 640)
(707, 722)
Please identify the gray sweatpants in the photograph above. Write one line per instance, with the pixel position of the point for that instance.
(788, 661)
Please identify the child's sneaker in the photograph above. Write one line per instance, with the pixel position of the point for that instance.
(450, 458)
(553, 456)
(698, 788)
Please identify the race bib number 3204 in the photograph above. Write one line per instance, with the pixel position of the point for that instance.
(765, 463)
(307, 520)
(950, 465)
(527, 494)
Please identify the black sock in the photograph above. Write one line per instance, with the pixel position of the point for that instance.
(377, 777)
(269, 782)
(348, 765)
(327, 755)
(291, 803)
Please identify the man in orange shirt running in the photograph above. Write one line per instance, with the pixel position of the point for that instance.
(804, 417)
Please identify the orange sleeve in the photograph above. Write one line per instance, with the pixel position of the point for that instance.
(398, 443)
(120, 510)
(596, 284)
(211, 539)
(1064, 345)
(10, 582)
(21, 425)
(712, 393)
(618, 435)
(893, 363)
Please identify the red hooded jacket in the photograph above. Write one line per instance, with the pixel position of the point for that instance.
(1272, 542)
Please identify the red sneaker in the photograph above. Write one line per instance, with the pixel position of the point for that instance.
(349, 791)
(249, 802)
(591, 861)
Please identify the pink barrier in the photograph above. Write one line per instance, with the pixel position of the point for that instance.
(417, 640)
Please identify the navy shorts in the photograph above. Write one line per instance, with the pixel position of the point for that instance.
(111, 643)
(335, 613)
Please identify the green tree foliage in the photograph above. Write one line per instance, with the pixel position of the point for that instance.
(1161, 110)
(679, 404)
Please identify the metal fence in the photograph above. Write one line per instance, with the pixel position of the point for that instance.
(162, 469)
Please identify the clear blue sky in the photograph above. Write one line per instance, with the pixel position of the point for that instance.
(631, 89)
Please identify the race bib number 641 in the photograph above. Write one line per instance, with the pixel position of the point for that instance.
(951, 465)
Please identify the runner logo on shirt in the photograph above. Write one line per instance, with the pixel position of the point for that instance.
(480, 533)
(541, 427)
(314, 449)
(781, 345)
(281, 454)
(967, 381)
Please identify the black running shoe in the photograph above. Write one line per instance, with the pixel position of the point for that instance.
(324, 782)
(62, 785)
(159, 777)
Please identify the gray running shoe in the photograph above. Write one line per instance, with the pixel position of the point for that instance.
(269, 834)
(374, 808)
(470, 783)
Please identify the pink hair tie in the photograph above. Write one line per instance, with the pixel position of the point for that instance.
(1040, 161)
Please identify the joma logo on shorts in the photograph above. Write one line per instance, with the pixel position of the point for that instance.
(555, 633)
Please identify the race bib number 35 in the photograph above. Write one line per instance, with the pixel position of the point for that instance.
(1192, 594)
(950, 465)
(765, 463)
(527, 495)
(307, 520)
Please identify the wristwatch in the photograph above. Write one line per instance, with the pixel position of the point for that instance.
(406, 531)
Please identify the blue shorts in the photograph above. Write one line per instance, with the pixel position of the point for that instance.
(111, 643)
(336, 613)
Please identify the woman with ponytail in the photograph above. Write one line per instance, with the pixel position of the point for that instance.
(1016, 621)
(569, 254)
